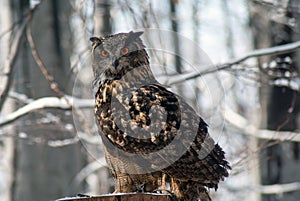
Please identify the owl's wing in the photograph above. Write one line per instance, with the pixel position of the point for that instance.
(193, 154)
(203, 161)
(168, 133)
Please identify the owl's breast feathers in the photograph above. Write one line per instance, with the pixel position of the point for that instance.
(137, 120)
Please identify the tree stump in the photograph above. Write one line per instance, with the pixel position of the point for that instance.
(123, 197)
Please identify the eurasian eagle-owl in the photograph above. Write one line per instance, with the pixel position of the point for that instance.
(150, 135)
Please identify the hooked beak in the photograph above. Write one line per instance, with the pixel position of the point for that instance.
(115, 62)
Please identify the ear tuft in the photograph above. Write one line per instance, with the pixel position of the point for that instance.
(135, 35)
(132, 36)
(97, 40)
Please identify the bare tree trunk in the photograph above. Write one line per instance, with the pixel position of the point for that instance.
(196, 38)
(103, 20)
(174, 23)
(43, 172)
(280, 105)
(6, 143)
(228, 29)
(174, 26)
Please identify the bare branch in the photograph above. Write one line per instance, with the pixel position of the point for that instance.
(13, 52)
(40, 64)
(65, 103)
(20, 20)
(9, 64)
(256, 53)
(250, 130)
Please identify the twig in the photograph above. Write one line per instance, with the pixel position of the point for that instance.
(20, 19)
(9, 64)
(256, 53)
(40, 64)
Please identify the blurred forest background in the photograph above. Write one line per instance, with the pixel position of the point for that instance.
(250, 96)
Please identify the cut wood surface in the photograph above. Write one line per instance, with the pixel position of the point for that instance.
(123, 197)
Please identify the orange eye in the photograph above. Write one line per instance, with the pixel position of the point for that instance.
(104, 53)
(124, 51)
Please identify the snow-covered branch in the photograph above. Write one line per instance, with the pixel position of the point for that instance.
(280, 188)
(64, 142)
(256, 53)
(69, 102)
(66, 102)
(89, 169)
(248, 129)
(268, 189)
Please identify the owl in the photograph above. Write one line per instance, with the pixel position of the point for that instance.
(150, 135)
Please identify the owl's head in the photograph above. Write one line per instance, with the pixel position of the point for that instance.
(115, 55)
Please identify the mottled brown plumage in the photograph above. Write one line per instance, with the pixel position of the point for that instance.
(148, 132)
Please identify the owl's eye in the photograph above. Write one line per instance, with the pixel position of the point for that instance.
(104, 53)
(124, 51)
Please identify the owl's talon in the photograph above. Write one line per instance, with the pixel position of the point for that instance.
(83, 195)
(142, 188)
(162, 191)
(166, 192)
